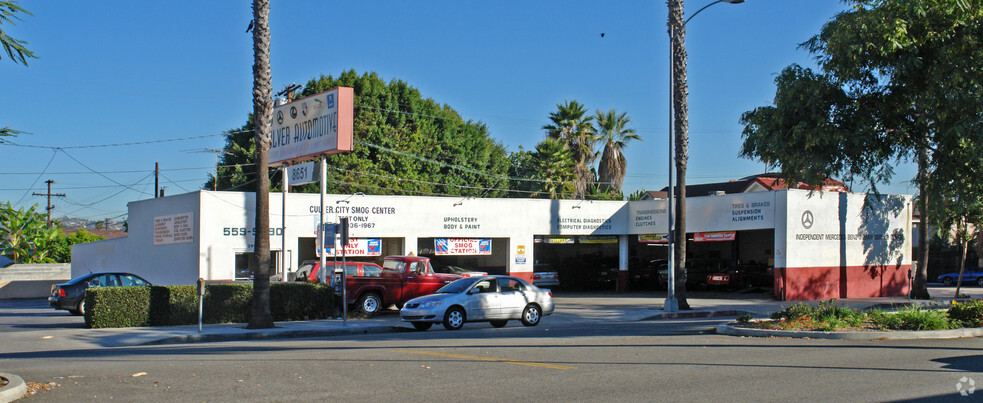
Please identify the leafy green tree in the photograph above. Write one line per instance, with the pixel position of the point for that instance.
(24, 235)
(614, 133)
(571, 125)
(900, 82)
(61, 248)
(404, 143)
(554, 168)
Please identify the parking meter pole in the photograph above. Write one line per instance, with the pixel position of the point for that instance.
(344, 287)
(201, 301)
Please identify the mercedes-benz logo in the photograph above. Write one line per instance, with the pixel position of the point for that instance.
(293, 112)
(279, 117)
(807, 219)
(303, 110)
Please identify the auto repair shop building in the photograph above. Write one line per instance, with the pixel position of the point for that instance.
(822, 245)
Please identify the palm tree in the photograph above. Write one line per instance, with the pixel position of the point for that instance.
(614, 132)
(576, 131)
(553, 164)
(681, 125)
(261, 317)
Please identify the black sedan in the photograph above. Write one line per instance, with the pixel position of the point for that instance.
(70, 296)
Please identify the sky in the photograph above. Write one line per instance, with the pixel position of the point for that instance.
(120, 85)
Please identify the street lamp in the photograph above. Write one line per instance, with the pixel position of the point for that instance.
(671, 304)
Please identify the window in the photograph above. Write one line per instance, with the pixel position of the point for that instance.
(128, 280)
(486, 285)
(511, 285)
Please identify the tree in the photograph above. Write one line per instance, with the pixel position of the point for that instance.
(680, 90)
(614, 132)
(12, 46)
(25, 236)
(570, 125)
(554, 168)
(261, 317)
(61, 248)
(405, 143)
(900, 82)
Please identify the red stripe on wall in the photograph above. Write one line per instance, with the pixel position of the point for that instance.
(816, 283)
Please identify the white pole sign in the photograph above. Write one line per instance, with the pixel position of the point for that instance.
(320, 124)
(303, 173)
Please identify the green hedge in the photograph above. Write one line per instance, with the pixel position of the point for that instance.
(224, 303)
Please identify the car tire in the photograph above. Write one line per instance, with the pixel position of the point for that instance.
(369, 304)
(499, 323)
(80, 309)
(422, 325)
(531, 315)
(947, 281)
(979, 281)
(454, 318)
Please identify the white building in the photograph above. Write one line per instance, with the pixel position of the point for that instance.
(822, 245)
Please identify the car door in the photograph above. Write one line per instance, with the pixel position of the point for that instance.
(484, 300)
(513, 297)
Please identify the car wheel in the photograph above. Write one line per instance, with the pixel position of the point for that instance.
(370, 304)
(979, 281)
(947, 281)
(531, 315)
(422, 325)
(499, 323)
(80, 310)
(454, 318)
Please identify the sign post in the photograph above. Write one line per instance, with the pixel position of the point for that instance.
(201, 301)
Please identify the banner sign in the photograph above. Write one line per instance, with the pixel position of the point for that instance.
(599, 239)
(320, 124)
(555, 240)
(653, 238)
(714, 236)
(463, 246)
(360, 247)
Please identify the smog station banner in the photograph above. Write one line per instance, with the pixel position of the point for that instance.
(462, 246)
(360, 247)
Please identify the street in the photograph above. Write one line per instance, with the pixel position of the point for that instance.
(559, 360)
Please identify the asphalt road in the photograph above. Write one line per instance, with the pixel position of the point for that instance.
(562, 361)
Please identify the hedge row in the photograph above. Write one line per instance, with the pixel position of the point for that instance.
(224, 303)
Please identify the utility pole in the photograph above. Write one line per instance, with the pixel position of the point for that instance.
(49, 195)
(156, 175)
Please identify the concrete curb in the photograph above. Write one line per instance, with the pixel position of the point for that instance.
(274, 334)
(696, 314)
(15, 388)
(726, 328)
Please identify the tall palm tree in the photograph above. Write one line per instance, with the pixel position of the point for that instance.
(571, 126)
(613, 130)
(261, 317)
(554, 165)
(681, 125)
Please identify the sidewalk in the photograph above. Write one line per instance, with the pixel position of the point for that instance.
(572, 308)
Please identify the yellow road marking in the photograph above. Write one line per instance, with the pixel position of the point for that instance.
(472, 357)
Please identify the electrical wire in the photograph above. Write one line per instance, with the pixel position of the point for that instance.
(53, 155)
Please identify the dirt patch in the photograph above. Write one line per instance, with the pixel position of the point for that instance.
(35, 387)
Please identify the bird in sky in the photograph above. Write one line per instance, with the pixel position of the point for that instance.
(602, 34)
(250, 27)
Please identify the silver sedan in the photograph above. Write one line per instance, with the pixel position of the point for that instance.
(495, 299)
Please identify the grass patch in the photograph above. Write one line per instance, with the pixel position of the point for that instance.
(828, 316)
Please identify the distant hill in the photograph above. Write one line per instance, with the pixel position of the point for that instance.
(67, 222)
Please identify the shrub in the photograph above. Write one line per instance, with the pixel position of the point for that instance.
(969, 313)
(914, 318)
(117, 307)
(744, 318)
(224, 303)
(794, 312)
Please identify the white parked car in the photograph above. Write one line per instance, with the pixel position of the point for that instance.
(495, 299)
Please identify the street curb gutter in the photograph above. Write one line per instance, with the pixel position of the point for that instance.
(273, 334)
(15, 388)
(727, 329)
(696, 314)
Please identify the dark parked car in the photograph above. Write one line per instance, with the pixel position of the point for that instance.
(970, 275)
(744, 276)
(70, 296)
(649, 275)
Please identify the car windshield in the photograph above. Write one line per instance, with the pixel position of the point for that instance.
(458, 286)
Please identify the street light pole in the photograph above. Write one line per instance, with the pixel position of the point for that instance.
(671, 303)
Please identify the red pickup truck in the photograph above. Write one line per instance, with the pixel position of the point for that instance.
(401, 279)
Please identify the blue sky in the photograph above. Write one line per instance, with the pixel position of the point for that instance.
(173, 75)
